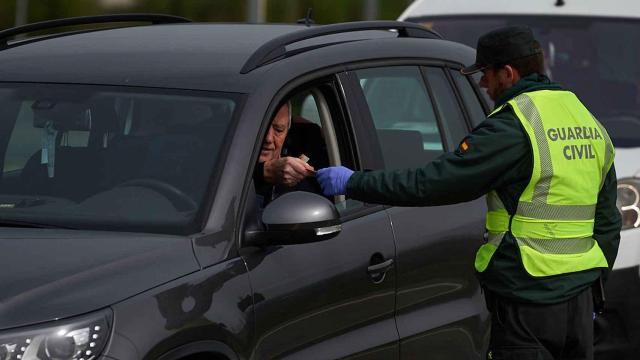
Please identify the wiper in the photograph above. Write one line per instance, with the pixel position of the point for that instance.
(31, 224)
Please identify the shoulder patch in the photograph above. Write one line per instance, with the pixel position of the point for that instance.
(464, 146)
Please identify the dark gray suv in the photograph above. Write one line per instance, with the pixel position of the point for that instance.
(129, 222)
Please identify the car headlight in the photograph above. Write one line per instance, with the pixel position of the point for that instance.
(80, 338)
(629, 202)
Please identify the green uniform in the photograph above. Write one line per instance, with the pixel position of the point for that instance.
(496, 156)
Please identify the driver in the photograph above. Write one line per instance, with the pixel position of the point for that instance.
(275, 174)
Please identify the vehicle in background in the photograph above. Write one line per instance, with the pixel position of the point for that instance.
(591, 47)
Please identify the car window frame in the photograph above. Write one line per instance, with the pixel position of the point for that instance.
(420, 63)
(476, 90)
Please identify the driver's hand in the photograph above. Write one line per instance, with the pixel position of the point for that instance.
(287, 170)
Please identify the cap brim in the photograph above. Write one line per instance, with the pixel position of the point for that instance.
(472, 69)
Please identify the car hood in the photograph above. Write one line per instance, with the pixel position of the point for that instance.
(51, 274)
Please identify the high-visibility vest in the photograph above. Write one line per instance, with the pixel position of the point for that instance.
(553, 223)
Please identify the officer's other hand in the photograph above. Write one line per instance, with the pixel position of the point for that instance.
(286, 170)
(333, 180)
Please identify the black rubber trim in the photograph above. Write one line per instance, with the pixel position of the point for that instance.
(275, 48)
(8, 34)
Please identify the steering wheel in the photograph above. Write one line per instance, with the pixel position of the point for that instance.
(178, 198)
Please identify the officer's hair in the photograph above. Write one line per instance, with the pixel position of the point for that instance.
(529, 64)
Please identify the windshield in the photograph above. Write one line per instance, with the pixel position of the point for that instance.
(597, 58)
(108, 158)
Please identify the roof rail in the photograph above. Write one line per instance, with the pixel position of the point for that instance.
(6, 35)
(275, 48)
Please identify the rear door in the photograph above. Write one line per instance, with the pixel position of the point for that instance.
(417, 115)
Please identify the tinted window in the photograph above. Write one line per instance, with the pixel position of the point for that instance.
(108, 158)
(448, 106)
(403, 115)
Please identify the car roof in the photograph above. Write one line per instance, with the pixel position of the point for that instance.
(203, 56)
(166, 53)
(600, 8)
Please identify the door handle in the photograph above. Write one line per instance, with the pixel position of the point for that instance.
(382, 267)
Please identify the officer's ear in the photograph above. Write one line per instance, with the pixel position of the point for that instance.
(511, 74)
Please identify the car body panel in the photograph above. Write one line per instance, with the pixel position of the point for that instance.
(81, 271)
(314, 293)
(213, 304)
(437, 286)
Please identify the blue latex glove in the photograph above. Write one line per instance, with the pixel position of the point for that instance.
(333, 180)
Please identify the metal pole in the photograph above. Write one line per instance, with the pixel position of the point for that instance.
(370, 9)
(21, 12)
(257, 11)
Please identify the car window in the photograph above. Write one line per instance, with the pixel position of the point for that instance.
(469, 97)
(303, 138)
(448, 106)
(319, 132)
(75, 157)
(404, 117)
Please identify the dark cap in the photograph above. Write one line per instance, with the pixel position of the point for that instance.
(503, 45)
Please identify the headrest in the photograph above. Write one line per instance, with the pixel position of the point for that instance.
(64, 116)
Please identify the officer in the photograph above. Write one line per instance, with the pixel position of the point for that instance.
(546, 165)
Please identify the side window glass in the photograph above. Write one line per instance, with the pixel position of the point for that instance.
(469, 97)
(308, 109)
(448, 106)
(403, 116)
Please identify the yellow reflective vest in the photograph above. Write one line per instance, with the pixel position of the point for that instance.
(553, 223)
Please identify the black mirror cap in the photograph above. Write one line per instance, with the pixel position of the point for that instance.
(297, 217)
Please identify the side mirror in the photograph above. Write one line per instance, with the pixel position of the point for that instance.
(297, 217)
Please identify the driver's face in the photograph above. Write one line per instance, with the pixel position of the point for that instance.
(273, 141)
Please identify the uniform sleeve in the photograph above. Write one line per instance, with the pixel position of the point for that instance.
(608, 222)
(492, 155)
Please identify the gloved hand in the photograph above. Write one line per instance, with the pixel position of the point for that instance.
(333, 180)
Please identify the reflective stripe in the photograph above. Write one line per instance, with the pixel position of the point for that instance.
(495, 238)
(557, 246)
(609, 153)
(493, 202)
(556, 212)
(531, 114)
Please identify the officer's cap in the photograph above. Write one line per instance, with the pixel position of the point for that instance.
(503, 45)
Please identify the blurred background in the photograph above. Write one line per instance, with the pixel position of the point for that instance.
(18, 12)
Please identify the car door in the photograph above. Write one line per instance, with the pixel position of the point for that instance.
(334, 298)
(439, 308)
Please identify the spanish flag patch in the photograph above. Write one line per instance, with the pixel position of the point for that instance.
(464, 145)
